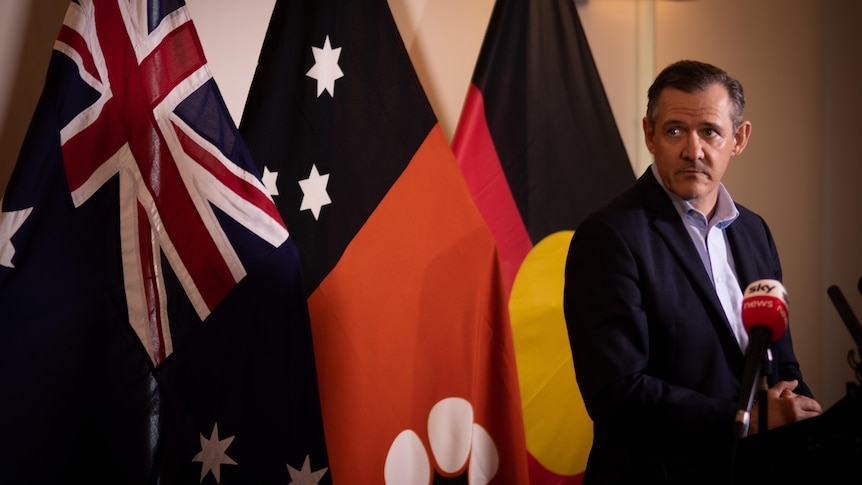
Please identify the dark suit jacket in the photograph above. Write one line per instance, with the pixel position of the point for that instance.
(656, 362)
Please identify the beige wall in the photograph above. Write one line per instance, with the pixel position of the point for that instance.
(841, 162)
(798, 60)
(792, 56)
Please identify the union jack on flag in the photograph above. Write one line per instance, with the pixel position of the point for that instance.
(152, 92)
(151, 299)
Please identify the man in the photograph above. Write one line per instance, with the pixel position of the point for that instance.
(653, 297)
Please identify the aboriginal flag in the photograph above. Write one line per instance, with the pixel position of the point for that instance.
(407, 302)
(539, 147)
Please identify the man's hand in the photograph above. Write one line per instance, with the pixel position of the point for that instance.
(784, 407)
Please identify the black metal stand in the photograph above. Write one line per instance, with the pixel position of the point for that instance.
(763, 409)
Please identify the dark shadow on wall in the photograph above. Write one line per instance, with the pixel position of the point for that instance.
(43, 22)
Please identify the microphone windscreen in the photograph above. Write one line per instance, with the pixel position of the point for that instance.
(765, 304)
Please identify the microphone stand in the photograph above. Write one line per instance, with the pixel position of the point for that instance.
(756, 371)
(762, 409)
(743, 415)
(852, 324)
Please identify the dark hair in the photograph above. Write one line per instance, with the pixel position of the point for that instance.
(694, 77)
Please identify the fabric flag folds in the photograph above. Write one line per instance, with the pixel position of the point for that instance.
(539, 148)
(414, 353)
(151, 306)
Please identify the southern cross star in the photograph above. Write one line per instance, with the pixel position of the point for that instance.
(213, 454)
(325, 69)
(314, 195)
(305, 476)
(269, 181)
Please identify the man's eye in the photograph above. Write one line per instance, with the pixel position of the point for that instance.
(673, 131)
(709, 132)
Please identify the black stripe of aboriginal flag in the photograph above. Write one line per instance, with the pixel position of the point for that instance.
(547, 114)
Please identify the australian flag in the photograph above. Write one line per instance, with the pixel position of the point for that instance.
(152, 317)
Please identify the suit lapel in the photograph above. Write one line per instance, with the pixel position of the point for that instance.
(745, 256)
(666, 222)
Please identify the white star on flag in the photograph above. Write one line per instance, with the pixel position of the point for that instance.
(212, 454)
(269, 179)
(314, 195)
(325, 69)
(305, 476)
(10, 222)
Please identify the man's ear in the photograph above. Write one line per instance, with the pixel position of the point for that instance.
(740, 138)
(649, 136)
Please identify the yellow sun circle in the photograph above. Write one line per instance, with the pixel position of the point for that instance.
(558, 430)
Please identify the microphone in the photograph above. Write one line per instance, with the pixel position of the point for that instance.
(851, 322)
(764, 316)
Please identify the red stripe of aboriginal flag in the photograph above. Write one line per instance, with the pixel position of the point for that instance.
(411, 334)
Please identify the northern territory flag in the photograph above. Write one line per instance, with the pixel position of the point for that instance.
(539, 147)
(153, 321)
(408, 308)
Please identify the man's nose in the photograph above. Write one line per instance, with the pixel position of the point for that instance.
(693, 147)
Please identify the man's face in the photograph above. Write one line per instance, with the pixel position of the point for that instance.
(692, 142)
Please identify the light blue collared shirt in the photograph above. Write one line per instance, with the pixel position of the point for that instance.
(710, 239)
